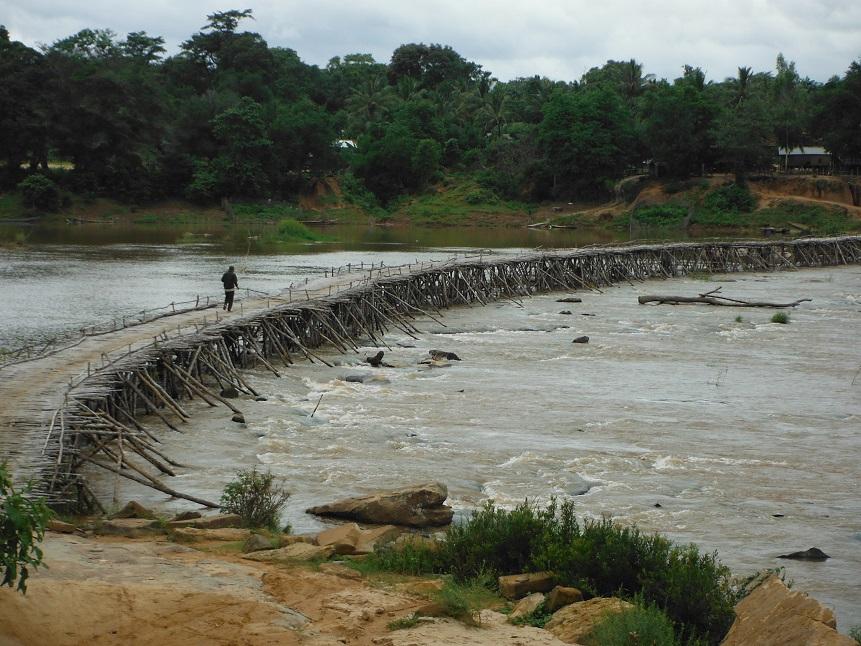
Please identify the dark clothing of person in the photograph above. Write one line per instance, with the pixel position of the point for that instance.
(230, 284)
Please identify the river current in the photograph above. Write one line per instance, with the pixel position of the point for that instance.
(741, 436)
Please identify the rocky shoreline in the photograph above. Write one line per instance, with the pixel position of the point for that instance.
(221, 583)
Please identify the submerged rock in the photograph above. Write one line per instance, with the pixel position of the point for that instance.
(566, 312)
(417, 506)
(239, 418)
(569, 299)
(581, 339)
(230, 393)
(442, 354)
(813, 554)
(133, 509)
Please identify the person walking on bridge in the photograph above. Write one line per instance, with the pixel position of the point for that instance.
(230, 284)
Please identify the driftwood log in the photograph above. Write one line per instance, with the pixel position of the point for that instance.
(713, 298)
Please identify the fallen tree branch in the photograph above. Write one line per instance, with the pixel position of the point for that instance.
(709, 299)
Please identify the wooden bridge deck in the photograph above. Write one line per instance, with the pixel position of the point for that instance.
(83, 404)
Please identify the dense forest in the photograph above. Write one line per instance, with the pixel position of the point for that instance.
(230, 116)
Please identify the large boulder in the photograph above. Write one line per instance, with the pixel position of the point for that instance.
(351, 539)
(573, 623)
(514, 586)
(526, 606)
(774, 615)
(60, 527)
(417, 506)
(560, 597)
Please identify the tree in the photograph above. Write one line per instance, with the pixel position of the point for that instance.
(744, 137)
(23, 519)
(141, 47)
(589, 139)
(789, 101)
(838, 118)
(432, 65)
(23, 111)
(244, 148)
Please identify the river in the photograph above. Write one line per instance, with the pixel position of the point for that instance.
(740, 436)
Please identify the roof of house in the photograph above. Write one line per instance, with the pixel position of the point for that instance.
(806, 150)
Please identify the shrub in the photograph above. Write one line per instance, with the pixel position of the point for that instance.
(645, 625)
(855, 633)
(39, 192)
(780, 317)
(731, 198)
(294, 231)
(538, 617)
(599, 557)
(463, 601)
(22, 527)
(403, 623)
(660, 214)
(256, 498)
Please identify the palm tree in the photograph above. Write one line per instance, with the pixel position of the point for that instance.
(369, 102)
(494, 111)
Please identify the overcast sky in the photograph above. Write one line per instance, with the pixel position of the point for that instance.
(556, 38)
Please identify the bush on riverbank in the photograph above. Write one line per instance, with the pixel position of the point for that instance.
(256, 498)
(23, 519)
(598, 557)
(638, 625)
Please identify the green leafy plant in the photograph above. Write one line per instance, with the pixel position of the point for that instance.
(294, 231)
(645, 625)
(256, 498)
(731, 198)
(403, 623)
(660, 214)
(738, 319)
(855, 633)
(463, 600)
(537, 618)
(22, 528)
(39, 192)
(780, 317)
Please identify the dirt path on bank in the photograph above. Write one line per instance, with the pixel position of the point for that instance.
(106, 591)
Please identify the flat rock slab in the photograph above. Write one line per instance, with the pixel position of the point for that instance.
(129, 527)
(417, 506)
(292, 554)
(194, 535)
(208, 522)
(514, 586)
(526, 606)
(573, 623)
(494, 631)
(352, 539)
(774, 615)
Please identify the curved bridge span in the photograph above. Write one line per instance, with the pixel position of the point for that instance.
(104, 401)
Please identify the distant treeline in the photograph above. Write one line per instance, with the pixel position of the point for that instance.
(230, 116)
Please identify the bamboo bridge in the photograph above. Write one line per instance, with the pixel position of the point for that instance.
(99, 404)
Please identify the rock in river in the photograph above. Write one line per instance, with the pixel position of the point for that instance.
(581, 339)
(813, 554)
(417, 506)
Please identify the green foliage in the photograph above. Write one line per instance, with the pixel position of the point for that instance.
(404, 623)
(39, 192)
(780, 317)
(256, 498)
(599, 557)
(660, 215)
(730, 198)
(644, 625)
(463, 600)
(855, 633)
(739, 319)
(22, 527)
(293, 231)
(537, 618)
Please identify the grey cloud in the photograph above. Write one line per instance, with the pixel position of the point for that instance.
(556, 38)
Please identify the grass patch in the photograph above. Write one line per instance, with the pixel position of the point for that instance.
(457, 201)
(780, 317)
(537, 618)
(293, 231)
(638, 625)
(660, 215)
(11, 206)
(599, 557)
(738, 319)
(464, 600)
(404, 623)
(270, 212)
